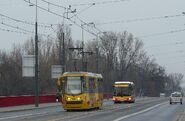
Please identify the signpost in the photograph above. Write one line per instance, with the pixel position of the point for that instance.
(28, 66)
(56, 71)
(30, 69)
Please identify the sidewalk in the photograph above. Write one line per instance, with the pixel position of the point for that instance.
(28, 107)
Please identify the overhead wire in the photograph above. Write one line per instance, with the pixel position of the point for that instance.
(13, 31)
(99, 3)
(168, 52)
(162, 33)
(54, 4)
(85, 23)
(61, 16)
(171, 57)
(14, 3)
(46, 25)
(90, 5)
(75, 15)
(24, 31)
(130, 21)
(16, 27)
(54, 31)
(141, 19)
(161, 45)
(82, 10)
(174, 63)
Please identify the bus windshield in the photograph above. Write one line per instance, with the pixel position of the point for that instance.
(122, 91)
(73, 85)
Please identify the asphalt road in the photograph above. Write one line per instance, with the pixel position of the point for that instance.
(147, 109)
(165, 112)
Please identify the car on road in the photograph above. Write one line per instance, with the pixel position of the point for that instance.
(176, 97)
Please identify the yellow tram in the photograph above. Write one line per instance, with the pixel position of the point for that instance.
(81, 90)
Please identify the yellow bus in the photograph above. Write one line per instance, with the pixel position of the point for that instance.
(124, 92)
(81, 90)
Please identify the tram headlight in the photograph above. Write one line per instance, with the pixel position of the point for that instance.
(78, 98)
(68, 99)
(129, 98)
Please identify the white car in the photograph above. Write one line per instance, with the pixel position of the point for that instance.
(176, 97)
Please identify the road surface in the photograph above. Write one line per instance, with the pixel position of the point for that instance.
(145, 109)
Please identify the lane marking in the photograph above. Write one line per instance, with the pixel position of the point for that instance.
(142, 111)
(48, 112)
(89, 114)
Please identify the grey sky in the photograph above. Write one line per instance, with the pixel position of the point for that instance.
(167, 46)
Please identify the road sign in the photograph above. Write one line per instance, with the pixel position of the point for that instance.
(56, 71)
(28, 66)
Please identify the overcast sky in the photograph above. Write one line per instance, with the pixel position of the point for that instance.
(159, 23)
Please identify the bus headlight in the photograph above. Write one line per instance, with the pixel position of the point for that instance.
(129, 98)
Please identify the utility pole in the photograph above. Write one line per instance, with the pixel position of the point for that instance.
(60, 52)
(36, 64)
(97, 60)
(63, 52)
(82, 55)
(84, 67)
(79, 49)
(62, 57)
(82, 25)
(85, 63)
(82, 48)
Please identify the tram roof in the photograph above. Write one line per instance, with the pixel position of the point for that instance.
(124, 82)
(88, 73)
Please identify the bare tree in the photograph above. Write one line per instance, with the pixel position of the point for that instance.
(130, 51)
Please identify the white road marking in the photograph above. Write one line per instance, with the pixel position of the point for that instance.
(142, 111)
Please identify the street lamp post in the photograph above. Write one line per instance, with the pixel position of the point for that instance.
(36, 63)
